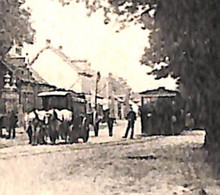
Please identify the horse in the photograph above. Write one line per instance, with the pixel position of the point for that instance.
(54, 125)
(66, 118)
(36, 125)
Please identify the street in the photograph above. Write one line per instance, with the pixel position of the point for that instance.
(107, 165)
(118, 132)
(21, 141)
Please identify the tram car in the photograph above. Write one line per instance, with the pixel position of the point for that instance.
(67, 101)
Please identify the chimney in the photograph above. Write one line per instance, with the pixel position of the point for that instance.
(110, 75)
(48, 42)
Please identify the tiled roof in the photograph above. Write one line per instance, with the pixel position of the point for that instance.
(64, 57)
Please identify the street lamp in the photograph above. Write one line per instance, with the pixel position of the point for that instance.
(7, 80)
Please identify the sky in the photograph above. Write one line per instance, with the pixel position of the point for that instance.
(84, 37)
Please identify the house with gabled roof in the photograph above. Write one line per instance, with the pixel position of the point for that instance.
(58, 69)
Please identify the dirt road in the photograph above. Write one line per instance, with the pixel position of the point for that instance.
(154, 165)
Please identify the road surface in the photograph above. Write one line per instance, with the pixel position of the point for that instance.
(107, 165)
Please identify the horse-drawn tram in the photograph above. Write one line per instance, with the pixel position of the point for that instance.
(63, 117)
(72, 101)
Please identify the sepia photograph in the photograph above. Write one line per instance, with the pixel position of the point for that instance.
(109, 97)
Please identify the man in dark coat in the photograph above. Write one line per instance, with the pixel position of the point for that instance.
(12, 121)
(131, 117)
(96, 119)
(110, 121)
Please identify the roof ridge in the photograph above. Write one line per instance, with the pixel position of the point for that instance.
(37, 56)
(61, 54)
(65, 58)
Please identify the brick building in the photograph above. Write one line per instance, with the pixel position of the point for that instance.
(20, 84)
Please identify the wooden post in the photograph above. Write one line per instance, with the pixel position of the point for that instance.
(96, 87)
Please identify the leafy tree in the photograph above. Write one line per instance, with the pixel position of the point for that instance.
(184, 34)
(14, 25)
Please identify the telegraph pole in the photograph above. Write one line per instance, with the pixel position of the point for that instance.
(98, 77)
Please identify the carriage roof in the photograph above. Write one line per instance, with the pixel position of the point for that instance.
(76, 97)
(61, 93)
(53, 93)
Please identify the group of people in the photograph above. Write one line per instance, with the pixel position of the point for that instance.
(9, 122)
(131, 117)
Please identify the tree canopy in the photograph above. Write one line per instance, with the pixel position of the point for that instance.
(14, 25)
(185, 35)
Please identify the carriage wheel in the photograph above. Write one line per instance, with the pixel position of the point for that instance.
(85, 130)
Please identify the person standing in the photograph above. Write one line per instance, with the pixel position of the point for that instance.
(12, 121)
(189, 121)
(110, 121)
(96, 118)
(131, 117)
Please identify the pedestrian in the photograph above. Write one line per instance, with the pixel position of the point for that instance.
(110, 121)
(131, 117)
(96, 118)
(189, 121)
(11, 124)
(29, 132)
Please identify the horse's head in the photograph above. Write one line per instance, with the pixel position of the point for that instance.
(47, 118)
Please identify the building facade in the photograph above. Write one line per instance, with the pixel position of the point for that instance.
(19, 87)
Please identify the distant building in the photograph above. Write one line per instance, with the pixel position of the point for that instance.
(52, 67)
(62, 71)
(116, 93)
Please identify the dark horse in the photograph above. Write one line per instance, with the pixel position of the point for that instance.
(8, 122)
(54, 125)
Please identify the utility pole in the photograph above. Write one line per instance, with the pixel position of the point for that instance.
(98, 77)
